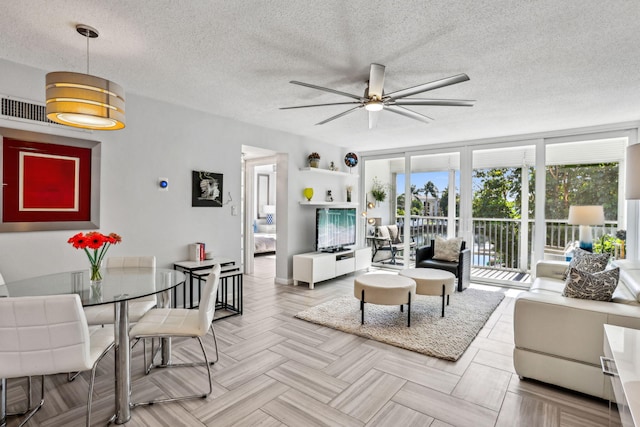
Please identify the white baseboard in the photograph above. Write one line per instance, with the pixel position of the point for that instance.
(279, 281)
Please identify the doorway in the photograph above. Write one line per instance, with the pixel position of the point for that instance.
(260, 210)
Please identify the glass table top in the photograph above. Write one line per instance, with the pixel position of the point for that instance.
(118, 284)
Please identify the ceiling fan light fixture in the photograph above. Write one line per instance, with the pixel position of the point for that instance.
(82, 100)
(376, 99)
(374, 105)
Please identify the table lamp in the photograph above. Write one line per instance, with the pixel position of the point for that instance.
(269, 211)
(633, 180)
(585, 217)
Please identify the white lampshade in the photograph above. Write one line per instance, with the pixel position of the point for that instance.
(269, 209)
(84, 101)
(632, 188)
(586, 215)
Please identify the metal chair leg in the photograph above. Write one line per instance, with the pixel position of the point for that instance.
(194, 396)
(3, 412)
(215, 343)
(92, 381)
(38, 406)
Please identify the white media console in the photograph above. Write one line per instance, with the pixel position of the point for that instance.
(315, 267)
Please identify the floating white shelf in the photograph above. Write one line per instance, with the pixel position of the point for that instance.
(328, 172)
(336, 204)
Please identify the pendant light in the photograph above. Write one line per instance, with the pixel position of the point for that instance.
(83, 100)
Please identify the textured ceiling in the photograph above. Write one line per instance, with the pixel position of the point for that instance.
(534, 65)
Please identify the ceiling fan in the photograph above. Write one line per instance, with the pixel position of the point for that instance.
(374, 98)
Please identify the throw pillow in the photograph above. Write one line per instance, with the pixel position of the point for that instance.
(589, 262)
(383, 232)
(447, 249)
(393, 233)
(593, 286)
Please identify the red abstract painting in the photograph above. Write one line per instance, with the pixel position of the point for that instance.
(45, 182)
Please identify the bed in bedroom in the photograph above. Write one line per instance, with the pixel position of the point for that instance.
(264, 242)
(264, 237)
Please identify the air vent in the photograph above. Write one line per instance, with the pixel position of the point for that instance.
(24, 110)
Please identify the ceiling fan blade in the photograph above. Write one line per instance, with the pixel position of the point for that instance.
(373, 119)
(326, 89)
(319, 105)
(376, 81)
(427, 86)
(440, 102)
(337, 116)
(408, 113)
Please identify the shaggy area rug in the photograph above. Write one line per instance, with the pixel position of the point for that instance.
(443, 337)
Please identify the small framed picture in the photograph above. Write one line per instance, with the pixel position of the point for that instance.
(206, 189)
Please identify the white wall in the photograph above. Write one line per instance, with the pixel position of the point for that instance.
(380, 169)
(161, 140)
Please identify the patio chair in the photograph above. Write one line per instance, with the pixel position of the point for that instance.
(387, 238)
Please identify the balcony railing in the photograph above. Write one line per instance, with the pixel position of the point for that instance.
(497, 242)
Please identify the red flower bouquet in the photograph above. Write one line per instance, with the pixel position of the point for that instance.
(95, 245)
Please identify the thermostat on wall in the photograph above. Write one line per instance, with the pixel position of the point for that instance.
(163, 184)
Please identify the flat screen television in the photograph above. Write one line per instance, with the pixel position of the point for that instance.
(335, 229)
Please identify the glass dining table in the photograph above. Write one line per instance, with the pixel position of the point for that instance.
(118, 287)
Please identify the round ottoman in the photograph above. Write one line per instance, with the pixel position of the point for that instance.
(430, 281)
(385, 289)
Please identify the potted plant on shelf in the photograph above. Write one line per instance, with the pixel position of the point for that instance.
(379, 190)
(314, 159)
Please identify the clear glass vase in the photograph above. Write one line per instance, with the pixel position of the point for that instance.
(96, 275)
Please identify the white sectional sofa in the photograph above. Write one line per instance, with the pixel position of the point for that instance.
(559, 340)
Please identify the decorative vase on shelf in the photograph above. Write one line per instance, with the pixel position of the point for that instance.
(348, 196)
(314, 159)
(308, 193)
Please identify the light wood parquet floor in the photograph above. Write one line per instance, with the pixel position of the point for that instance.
(275, 370)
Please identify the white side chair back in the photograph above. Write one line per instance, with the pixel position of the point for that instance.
(103, 314)
(207, 307)
(42, 336)
(131, 261)
(3, 289)
(47, 335)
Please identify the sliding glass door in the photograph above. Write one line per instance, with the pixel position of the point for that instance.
(380, 205)
(585, 172)
(509, 201)
(435, 207)
(503, 212)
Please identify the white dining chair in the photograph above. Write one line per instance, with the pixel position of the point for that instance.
(104, 314)
(3, 381)
(48, 335)
(181, 322)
